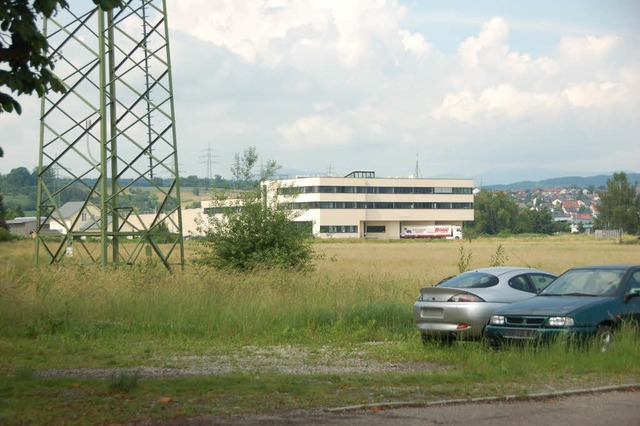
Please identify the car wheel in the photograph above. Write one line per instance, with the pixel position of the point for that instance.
(604, 337)
(444, 339)
(493, 343)
(447, 339)
(425, 338)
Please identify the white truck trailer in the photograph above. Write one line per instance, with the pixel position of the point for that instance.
(450, 232)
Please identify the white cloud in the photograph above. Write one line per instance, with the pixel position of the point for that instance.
(586, 48)
(263, 32)
(414, 42)
(597, 95)
(310, 82)
(461, 106)
(493, 36)
(315, 130)
(507, 85)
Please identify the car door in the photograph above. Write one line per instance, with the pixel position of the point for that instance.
(631, 307)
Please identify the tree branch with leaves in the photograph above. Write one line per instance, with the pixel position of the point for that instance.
(26, 65)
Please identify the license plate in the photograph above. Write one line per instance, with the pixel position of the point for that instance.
(518, 333)
(431, 312)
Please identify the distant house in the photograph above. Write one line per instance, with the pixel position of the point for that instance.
(72, 215)
(570, 206)
(73, 212)
(584, 219)
(26, 226)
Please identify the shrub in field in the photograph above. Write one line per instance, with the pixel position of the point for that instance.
(161, 234)
(499, 258)
(251, 233)
(464, 259)
(6, 235)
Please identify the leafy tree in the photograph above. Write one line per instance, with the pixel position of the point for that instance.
(243, 167)
(495, 213)
(254, 231)
(218, 182)
(161, 234)
(14, 212)
(25, 65)
(3, 210)
(191, 180)
(20, 178)
(619, 205)
(536, 222)
(145, 201)
(23, 49)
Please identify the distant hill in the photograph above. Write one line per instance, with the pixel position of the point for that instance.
(565, 182)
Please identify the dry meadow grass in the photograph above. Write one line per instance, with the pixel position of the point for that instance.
(351, 315)
(356, 285)
(428, 260)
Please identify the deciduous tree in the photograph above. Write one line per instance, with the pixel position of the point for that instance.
(619, 205)
(252, 231)
(25, 64)
(495, 213)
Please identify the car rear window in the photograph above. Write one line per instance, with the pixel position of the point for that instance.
(470, 280)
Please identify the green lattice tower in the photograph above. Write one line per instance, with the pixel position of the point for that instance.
(110, 136)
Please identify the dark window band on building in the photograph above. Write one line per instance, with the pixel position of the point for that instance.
(376, 229)
(339, 229)
(315, 205)
(324, 189)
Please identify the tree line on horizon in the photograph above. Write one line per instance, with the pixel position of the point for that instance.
(496, 213)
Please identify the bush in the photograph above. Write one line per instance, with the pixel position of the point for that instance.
(5, 235)
(250, 233)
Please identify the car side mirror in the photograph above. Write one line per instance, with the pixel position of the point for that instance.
(634, 292)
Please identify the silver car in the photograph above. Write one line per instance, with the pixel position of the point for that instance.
(459, 307)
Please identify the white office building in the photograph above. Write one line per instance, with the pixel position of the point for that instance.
(361, 205)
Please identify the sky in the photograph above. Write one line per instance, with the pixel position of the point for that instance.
(497, 91)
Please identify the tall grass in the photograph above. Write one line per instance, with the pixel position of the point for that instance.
(359, 292)
(75, 315)
(269, 306)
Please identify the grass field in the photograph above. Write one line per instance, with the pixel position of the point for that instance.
(359, 298)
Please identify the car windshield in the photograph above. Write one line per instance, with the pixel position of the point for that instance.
(585, 282)
(470, 280)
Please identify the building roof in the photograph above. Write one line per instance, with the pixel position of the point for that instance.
(70, 208)
(19, 220)
(361, 174)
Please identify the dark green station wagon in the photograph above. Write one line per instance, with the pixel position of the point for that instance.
(587, 301)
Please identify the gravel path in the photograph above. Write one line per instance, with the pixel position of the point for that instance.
(273, 359)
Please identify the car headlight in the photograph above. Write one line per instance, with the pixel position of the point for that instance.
(560, 322)
(497, 320)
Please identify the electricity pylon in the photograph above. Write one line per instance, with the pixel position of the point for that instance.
(112, 136)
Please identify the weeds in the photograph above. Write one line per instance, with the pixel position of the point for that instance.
(499, 258)
(464, 259)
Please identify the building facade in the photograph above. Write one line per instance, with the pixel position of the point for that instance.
(361, 205)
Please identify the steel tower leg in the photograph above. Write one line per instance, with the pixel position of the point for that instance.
(112, 138)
